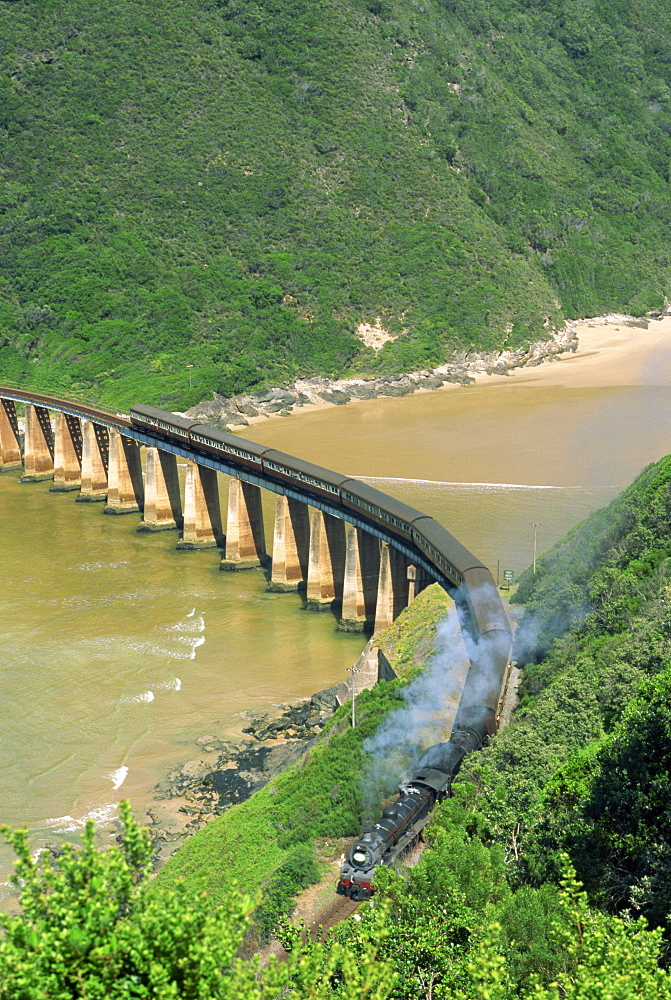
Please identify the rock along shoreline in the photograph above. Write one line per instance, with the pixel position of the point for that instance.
(228, 771)
(240, 411)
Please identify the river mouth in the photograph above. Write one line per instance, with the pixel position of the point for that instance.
(117, 653)
(490, 460)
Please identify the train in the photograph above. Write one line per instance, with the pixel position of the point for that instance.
(484, 624)
(399, 827)
(467, 580)
(401, 824)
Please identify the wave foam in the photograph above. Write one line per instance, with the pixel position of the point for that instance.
(197, 625)
(492, 486)
(146, 696)
(64, 824)
(70, 824)
(118, 777)
(174, 685)
(90, 567)
(103, 814)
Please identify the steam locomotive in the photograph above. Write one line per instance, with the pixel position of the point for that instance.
(400, 825)
(483, 622)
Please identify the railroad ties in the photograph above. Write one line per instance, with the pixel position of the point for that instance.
(335, 565)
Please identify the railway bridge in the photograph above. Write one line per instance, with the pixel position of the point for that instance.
(319, 548)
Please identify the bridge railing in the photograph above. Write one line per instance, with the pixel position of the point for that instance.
(59, 392)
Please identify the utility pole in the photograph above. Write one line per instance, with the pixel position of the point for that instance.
(190, 368)
(535, 526)
(352, 682)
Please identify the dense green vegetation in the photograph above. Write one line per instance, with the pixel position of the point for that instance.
(584, 769)
(451, 928)
(236, 186)
(88, 930)
(578, 783)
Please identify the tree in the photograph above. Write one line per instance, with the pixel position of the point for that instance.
(89, 930)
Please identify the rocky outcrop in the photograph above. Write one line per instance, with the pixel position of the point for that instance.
(228, 772)
(234, 412)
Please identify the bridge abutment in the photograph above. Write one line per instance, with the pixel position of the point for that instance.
(125, 494)
(162, 502)
(326, 567)
(38, 461)
(95, 462)
(202, 513)
(291, 546)
(362, 568)
(67, 454)
(10, 445)
(245, 533)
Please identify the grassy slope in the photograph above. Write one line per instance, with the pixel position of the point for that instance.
(318, 798)
(235, 186)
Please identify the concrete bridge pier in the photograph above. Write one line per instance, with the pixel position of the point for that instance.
(162, 501)
(291, 546)
(10, 447)
(392, 590)
(125, 494)
(38, 464)
(202, 514)
(326, 567)
(245, 534)
(362, 570)
(67, 454)
(95, 463)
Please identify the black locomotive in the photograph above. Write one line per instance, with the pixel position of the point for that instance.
(483, 621)
(399, 827)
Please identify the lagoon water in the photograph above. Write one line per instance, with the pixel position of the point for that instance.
(116, 652)
(488, 461)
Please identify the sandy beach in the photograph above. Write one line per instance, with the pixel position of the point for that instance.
(610, 352)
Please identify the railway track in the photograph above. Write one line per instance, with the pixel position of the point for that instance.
(83, 409)
(332, 914)
(325, 920)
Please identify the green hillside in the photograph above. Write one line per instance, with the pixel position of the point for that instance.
(584, 768)
(236, 186)
(578, 782)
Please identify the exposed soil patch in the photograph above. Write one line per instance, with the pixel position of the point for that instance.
(374, 335)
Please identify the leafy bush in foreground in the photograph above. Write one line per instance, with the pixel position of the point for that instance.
(88, 930)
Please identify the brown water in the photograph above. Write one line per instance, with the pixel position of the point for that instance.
(116, 652)
(488, 461)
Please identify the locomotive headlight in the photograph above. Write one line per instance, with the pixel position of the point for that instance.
(359, 857)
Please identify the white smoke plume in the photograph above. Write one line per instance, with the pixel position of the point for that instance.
(426, 716)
